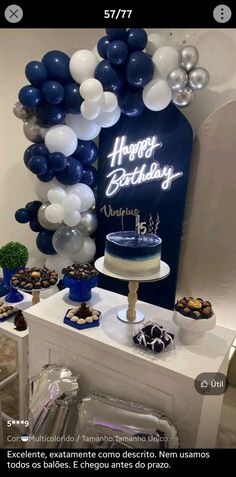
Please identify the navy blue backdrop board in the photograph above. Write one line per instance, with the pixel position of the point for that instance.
(143, 167)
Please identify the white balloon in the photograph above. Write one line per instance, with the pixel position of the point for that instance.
(157, 95)
(91, 89)
(96, 54)
(108, 101)
(54, 213)
(90, 109)
(87, 251)
(56, 195)
(83, 128)
(72, 218)
(108, 119)
(42, 188)
(82, 65)
(57, 263)
(61, 139)
(166, 59)
(155, 40)
(71, 202)
(85, 194)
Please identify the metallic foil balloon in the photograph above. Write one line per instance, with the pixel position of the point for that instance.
(44, 222)
(198, 78)
(116, 423)
(33, 131)
(177, 79)
(183, 98)
(189, 57)
(88, 223)
(53, 397)
(22, 112)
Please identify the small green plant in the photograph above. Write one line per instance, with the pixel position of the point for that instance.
(13, 255)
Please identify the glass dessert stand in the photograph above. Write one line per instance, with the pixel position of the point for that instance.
(131, 314)
(35, 292)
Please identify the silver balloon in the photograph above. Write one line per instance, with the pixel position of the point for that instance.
(43, 221)
(22, 112)
(183, 98)
(33, 131)
(116, 423)
(53, 398)
(88, 223)
(198, 78)
(189, 57)
(177, 79)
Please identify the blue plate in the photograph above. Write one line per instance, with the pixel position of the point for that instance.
(67, 321)
(7, 317)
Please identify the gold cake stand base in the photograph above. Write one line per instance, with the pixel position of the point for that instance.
(131, 314)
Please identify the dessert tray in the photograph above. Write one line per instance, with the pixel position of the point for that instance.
(34, 280)
(6, 311)
(154, 338)
(193, 317)
(82, 317)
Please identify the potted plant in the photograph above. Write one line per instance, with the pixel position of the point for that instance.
(13, 256)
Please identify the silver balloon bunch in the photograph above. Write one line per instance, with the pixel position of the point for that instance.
(32, 129)
(188, 78)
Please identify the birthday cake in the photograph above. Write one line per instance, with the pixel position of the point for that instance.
(132, 255)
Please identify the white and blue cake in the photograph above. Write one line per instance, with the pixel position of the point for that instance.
(132, 255)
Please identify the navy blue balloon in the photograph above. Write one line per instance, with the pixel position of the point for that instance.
(50, 115)
(35, 225)
(110, 78)
(28, 154)
(72, 173)
(102, 46)
(86, 152)
(36, 73)
(46, 176)
(38, 164)
(89, 176)
(116, 33)
(57, 66)
(44, 242)
(57, 161)
(136, 39)
(131, 102)
(117, 52)
(72, 98)
(53, 92)
(30, 96)
(40, 150)
(139, 69)
(33, 207)
(22, 216)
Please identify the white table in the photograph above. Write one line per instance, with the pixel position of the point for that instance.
(21, 338)
(109, 363)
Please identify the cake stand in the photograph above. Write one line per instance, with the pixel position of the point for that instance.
(131, 314)
(36, 292)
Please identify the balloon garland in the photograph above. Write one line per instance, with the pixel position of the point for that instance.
(63, 109)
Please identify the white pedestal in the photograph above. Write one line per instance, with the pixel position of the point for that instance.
(109, 363)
